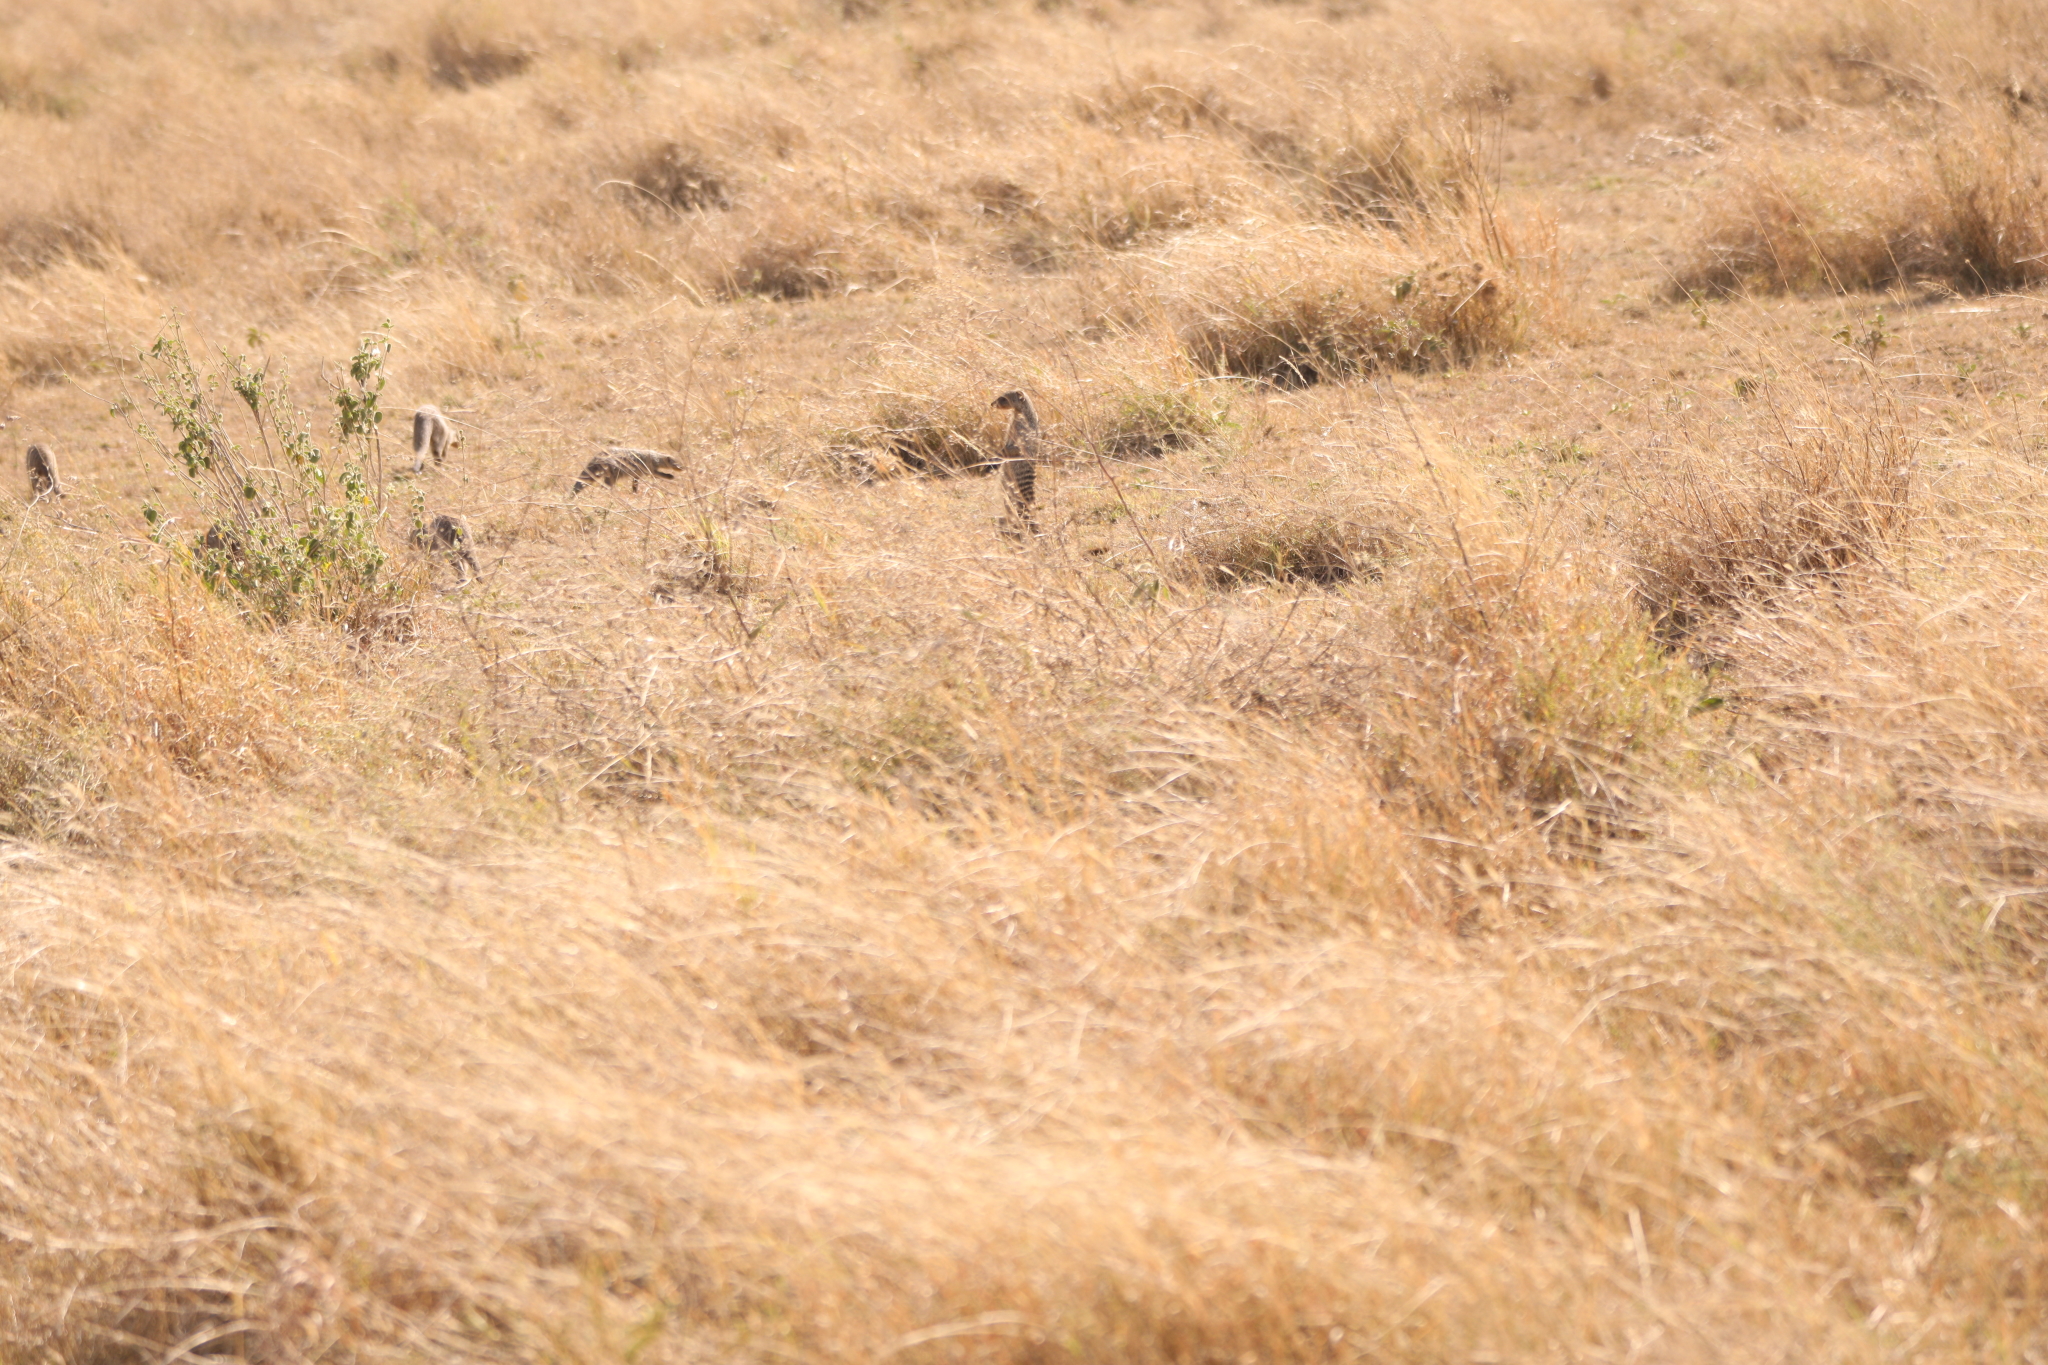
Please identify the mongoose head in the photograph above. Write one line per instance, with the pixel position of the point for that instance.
(1015, 401)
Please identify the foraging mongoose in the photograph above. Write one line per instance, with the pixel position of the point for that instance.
(448, 534)
(221, 548)
(430, 433)
(625, 462)
(42, 473)
(1019, 467)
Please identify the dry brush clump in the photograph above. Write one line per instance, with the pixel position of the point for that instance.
(1405, 171)
(954, 432)
(1292, 546)
(1825, 495)
(1963, 212)
(672, 178)
(124, 675)
(1531, 711)
(1304, 305)
(1302, 908)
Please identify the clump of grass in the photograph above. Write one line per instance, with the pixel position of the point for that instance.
(1149, 422)
(32, 242)
(1303, 306)
(939, 434)
(794, 265)
(1108, 194)
(1402, 171)
(42, 360)
(1126, 208)
(669, 178)
(1969, 214)
(1312, 548)
(459, 57)
(1831, 493)
(1154, 105)
(999, 196)
(1161, 106)
(789, 251)
(1527, 693)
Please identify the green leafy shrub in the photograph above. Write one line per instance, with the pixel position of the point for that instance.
(294, 529)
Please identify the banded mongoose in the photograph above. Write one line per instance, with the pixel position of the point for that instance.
(625, 462)
(221, 548)
(42, 473)
(430, 434)
(448, 534)
(1019, 467)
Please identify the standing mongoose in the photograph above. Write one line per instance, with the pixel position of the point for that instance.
(625, 462)
(430, 434)
(42, 473)
(1019, 466)
(448, 534)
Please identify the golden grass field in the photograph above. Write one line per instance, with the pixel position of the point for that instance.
(1504, 820)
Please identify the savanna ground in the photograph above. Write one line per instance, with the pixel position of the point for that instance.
(1505, 818)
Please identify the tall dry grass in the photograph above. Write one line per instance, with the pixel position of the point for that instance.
(1959, 211)
(1529, 845)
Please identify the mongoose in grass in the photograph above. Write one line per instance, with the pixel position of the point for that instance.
(42, 473)
(625, 462)
(1019, 466)
(448, 534)
(221, 549)
(430, 435)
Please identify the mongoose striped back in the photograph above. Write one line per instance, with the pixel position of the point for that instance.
(448, 534)
(625, 462)
(42, 473)
(1019, 465)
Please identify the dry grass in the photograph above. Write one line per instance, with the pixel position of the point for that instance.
(1961, 210)
(1503, 818)
(1295, 308)
(1828, 498)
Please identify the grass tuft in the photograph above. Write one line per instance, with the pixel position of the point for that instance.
(461, 58)
(1311, 548)
(1969, 214)
(1832, 493)
(938, 434)
(1147, 423)
(672, 179)
(1300, 307)
(1403, 172)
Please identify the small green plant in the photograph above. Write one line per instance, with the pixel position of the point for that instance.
(1872, 339)
(294, 530)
